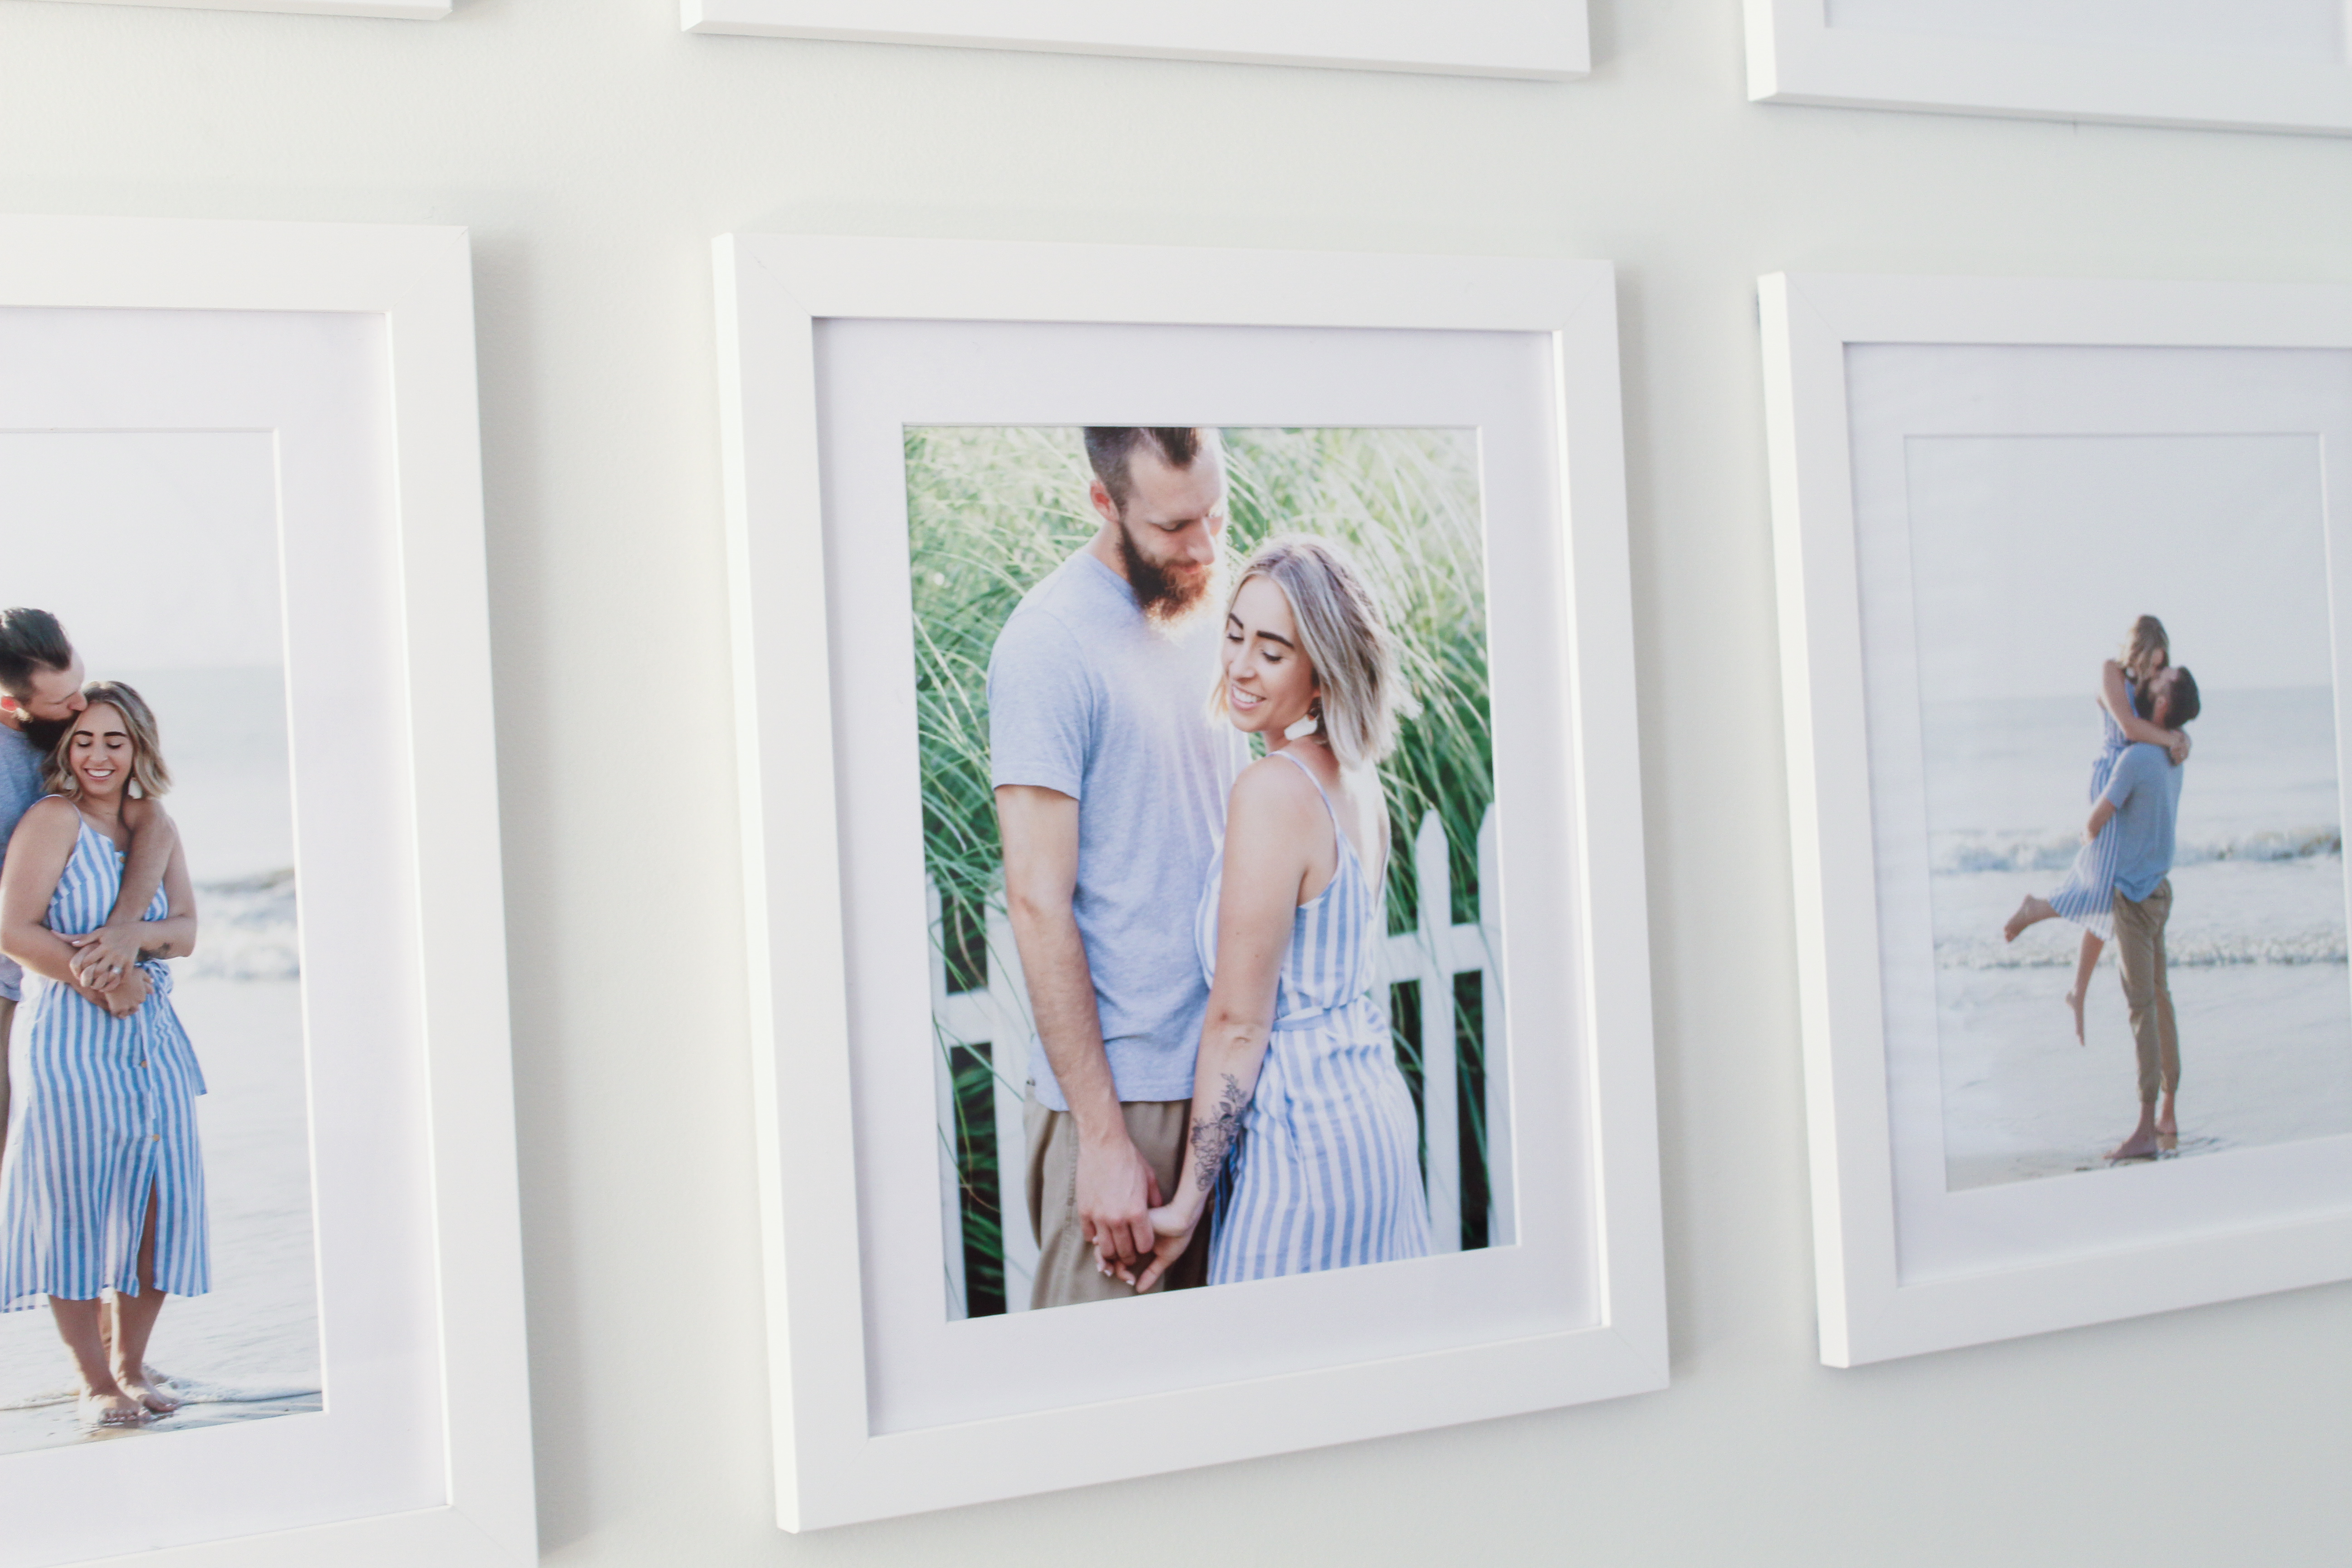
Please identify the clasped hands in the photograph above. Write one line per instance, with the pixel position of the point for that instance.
(1137, 1234)
(106, 968)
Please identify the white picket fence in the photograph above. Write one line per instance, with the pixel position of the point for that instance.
(1432, 953)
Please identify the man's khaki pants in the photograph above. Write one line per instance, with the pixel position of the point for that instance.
(2139, 954)
(1065, 1260)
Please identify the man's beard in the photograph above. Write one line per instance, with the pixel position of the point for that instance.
(45, 733)
(1166, 598)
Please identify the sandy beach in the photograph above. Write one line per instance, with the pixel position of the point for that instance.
(2260, 986)
(250, 1349)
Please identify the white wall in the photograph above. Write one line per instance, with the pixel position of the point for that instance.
(593, 150)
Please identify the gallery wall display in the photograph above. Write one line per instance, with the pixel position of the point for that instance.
(2250, 65)
(398, 10)
(961, 599)
(2062, 592)
(240, 497)
(1474, 37)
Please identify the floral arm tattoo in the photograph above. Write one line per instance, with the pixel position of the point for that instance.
(1214, 1136)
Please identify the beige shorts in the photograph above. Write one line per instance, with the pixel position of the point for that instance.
(1066, 1260)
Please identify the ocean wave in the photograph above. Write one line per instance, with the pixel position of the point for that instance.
(246, 929)
(2035, 852)
(2319, 946)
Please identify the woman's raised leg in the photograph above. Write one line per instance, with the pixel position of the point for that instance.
(2087, 962)
(2033, 912)
(134, 1322)
(103, 1401)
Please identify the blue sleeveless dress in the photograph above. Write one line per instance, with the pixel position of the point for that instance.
(104, 1113)
(1327, 1171)
(2087, 896)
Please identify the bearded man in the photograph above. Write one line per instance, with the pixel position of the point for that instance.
(1110, 780)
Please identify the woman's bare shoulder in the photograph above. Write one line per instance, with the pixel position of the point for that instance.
(52, 818)
(1272, 785)
(54, 811)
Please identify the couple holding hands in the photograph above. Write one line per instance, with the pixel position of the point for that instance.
(1215, 1096)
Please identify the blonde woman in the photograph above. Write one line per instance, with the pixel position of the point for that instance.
(2086, 897)
(1296, 1097)
(102, 1188)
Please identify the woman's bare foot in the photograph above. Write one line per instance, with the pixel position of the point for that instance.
(2168, 1128)
(2033, 912)
(112, 1408)
(147, 1389)
(2075, 999)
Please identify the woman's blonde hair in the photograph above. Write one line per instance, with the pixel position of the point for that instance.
(149, 776)
(2145, 640)
(1360, 694)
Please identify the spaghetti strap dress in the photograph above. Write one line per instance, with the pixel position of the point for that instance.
(103, 1114)
(1326, 1172)
(2087, 895)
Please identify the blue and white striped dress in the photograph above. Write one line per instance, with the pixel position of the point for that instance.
(2087, 896)
(1327, 1171)
(104, 1113)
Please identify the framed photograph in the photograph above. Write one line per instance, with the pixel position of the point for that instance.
(2063, 600)
(1335, 680)
(260, 1294)
(397, 10)
(2236, 65)
(1476, 38)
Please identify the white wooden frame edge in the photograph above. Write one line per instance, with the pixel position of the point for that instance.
(420, 279)
(1865, 1313)
(1794, 56)
(387, 10)
(830, 1470)
(1030, 26)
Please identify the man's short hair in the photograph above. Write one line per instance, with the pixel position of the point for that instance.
(1109, 447)
(2181, 700)
(31, 641)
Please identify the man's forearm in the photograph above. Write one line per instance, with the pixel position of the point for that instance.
(153, 840)
(1062, 1001)
(40, 951)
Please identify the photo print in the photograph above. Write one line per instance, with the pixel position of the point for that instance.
(156, 1176)
(1187, 693)
(2126, 898)
(2099, 640)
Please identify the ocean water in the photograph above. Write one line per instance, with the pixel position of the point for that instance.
(250, 1349)
(2255, 947)
(2007, 781)
(223, 734)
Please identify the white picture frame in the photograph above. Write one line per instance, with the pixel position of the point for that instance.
(2105, 1245)
(2069, 59)
(779, 296)
(432, 816)
(1539, 38)
(388, 10)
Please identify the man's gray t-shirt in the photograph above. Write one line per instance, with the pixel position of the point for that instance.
(2145, 790)
(1089, 698)
(20, 787)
